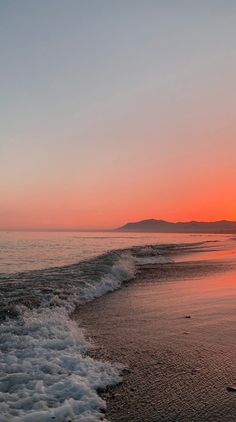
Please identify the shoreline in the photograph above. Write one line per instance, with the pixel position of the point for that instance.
(142, 326)
(170, 375)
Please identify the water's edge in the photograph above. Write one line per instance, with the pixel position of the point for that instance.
(45, 370)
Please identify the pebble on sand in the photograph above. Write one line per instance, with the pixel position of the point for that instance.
(231, 388)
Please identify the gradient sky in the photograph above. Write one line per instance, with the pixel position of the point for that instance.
(114, 111)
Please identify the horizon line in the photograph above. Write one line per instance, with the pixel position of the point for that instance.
(91, 230)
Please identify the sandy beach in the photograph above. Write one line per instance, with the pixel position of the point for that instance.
(174, 329)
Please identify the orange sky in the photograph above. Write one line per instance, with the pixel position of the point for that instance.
(116, 114)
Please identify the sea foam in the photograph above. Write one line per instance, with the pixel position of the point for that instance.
(45, 370)
(47, 374)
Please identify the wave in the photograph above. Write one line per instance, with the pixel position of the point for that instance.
(45, 370)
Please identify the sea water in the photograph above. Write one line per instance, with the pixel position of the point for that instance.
(45, 370)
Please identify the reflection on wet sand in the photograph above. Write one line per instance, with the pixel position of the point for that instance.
(174, 327)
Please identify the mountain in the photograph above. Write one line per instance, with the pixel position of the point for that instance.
(163, 226)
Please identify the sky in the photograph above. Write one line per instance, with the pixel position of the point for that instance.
(115, 111)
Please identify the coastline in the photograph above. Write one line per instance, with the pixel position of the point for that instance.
(178, 368)
(131, 326)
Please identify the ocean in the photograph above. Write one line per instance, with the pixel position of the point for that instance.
(46, 372)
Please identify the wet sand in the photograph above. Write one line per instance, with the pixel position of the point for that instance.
(174, 327)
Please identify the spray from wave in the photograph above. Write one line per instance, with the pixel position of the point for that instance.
(45, 371)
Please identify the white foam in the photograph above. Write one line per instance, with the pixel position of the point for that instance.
(123, 270)
(151, 255)
(45, 372)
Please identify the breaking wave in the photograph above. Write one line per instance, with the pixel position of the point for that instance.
(45, 371)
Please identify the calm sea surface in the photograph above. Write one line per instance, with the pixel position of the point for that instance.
(23, 251)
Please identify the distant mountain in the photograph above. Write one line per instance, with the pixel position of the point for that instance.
(161, 226)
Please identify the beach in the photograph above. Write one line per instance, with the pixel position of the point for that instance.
(142, 332)
(118, 211)
(173, 327)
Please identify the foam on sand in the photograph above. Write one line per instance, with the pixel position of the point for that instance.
(45, 371)
(47, 374)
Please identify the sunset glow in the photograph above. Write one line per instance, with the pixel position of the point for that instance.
(117, 112)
